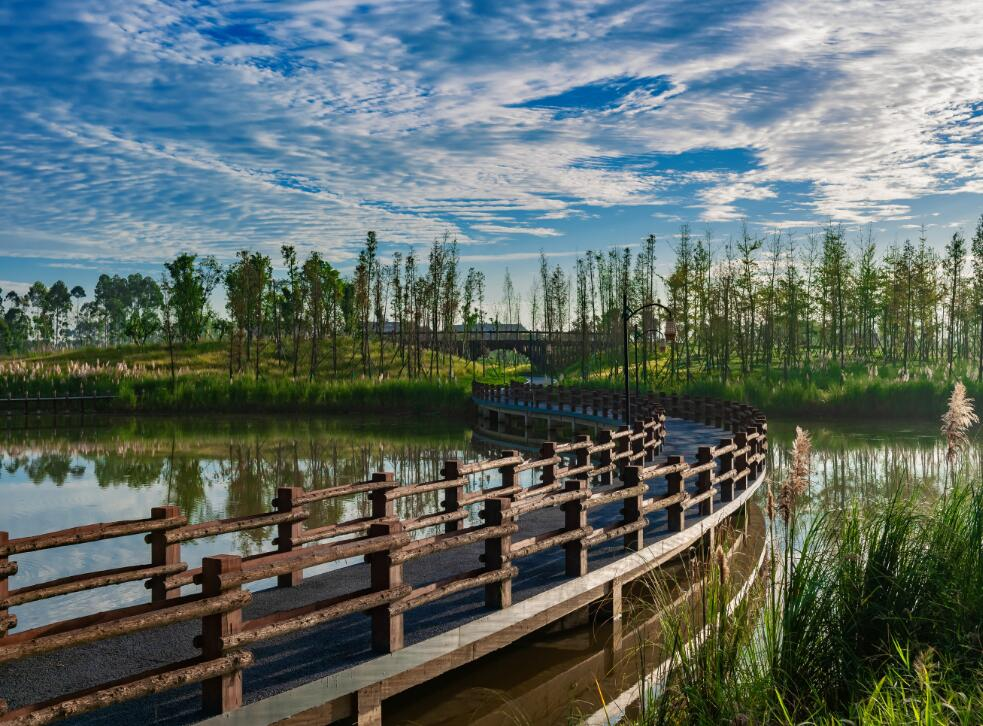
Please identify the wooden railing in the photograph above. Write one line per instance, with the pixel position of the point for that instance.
(571, 477)
(52, 404)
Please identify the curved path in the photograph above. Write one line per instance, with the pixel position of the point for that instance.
(337, 653)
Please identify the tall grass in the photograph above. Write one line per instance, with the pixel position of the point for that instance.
(213, 393)
(148, 387)
(829, 392)
(872, 615)
(151, 391)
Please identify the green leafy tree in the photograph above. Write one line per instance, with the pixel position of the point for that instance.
(190, 283)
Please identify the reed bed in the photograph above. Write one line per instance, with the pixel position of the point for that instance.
(875, 617)
(871, 615)
(148, 387)
(151, 391)
(825, 390)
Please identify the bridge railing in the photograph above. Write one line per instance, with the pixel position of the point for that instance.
(471, 514)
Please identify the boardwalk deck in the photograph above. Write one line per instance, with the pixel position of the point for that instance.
(290, 661)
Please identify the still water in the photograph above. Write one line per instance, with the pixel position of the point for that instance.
(53, 478)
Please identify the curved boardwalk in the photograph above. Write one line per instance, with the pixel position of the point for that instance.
(342, 646)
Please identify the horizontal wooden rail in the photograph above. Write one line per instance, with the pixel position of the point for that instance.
(615, 530)
(449, 541)
(547, 540)
(309, 616)
(88, 581)
(21, 648)
(281, 564)
(87, 533)
(354, 526)
(318, 495)
(573, 478)
(233, 524)
(161, 679)
(451, 585)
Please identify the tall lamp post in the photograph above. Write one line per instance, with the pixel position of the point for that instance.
(628, 314)
(643, 335)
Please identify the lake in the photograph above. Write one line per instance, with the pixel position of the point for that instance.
(225, 467)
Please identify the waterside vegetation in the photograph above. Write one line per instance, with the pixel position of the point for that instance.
(871, 613)
(825, 323)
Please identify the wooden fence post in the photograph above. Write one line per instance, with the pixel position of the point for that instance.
(651, 439)
(287, 532)
(637, 446)
(759, 446)
(383, 506)
(387, 628)
(5, 570)
(575, 517)
(604, 437)
(583, 454)
(675, 512)
(162, 553)
(704, 455)
(221, 693)
(548, 473)
(726, 466)
(498, 512)
(740, 461)
(622, 447)
(632, 509)
(453, 494)
(763, 443)
(507, 472)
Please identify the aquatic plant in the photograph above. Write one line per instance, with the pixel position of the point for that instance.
(797, 478)
(957, 420)
(871, 616)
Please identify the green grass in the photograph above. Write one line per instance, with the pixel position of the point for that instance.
(213, 357)
(283, 395)
(875, 616)
(140, 378)
(857, 391)
(203, 380)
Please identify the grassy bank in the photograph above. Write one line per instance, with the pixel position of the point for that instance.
(855, 392)
(140, 378)
(210, 393)
(855, 397)
(873, 617)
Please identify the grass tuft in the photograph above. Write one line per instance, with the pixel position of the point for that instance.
(873, 616)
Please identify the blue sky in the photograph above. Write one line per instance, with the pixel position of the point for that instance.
(133, 130)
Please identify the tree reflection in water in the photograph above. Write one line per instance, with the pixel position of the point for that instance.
(226, 468)
(868, 462)
(229, 468)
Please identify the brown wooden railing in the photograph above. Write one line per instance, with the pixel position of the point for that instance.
(571, 477)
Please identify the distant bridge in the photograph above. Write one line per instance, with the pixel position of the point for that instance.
(542, 348)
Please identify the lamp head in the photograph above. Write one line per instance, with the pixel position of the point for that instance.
(670, 330)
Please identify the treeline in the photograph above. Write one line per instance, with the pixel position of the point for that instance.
(405, 313)
(782, 303)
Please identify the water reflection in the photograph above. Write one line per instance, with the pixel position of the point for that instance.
(213, 468)
(869, 462)
(51, 480)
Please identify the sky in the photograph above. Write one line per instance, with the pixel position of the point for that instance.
(133, 130)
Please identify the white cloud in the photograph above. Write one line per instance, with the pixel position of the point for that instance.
(14, 286)
(387, 116)
(503, 229)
